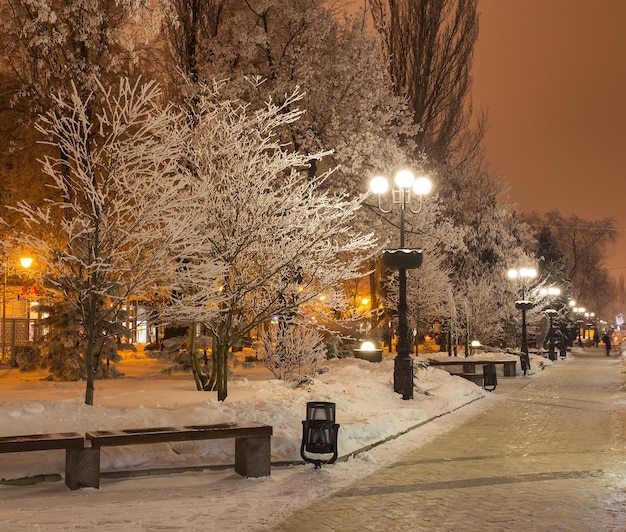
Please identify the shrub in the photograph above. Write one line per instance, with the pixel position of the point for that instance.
(337, 348)
(292, 351)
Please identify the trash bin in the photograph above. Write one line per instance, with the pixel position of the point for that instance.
(319, 433)
(490, 379)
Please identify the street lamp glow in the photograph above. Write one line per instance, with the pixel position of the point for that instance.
(404, 179)
(26, 262)
(422, 186)
(524, 273)
(551, 291)
(529, 273)
(379, 185)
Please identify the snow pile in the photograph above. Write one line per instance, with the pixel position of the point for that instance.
(361, 390)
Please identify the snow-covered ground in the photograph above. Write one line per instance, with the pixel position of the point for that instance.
(371, 416)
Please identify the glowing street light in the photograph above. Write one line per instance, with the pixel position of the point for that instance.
(551, 291)
(402, 259)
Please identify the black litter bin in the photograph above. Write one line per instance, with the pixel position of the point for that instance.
(319, 433)
(490, 379)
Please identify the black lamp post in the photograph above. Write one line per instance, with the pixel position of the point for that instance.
(579, 311)
(523, 274)
(25, 263)
(551, 313)
(402, 259)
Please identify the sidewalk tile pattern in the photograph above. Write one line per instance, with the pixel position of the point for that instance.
(551, 455)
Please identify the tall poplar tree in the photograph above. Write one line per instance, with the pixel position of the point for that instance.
(430, 46)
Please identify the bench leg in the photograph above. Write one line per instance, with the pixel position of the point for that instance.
(509, 369)
(82, 468)
(252, 456)
(469, 367)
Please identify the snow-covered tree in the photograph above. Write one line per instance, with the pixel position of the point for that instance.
(428, 294)
(112, 228)
(282, 240)
(585, 245)
(482, 310)
(48, 45)
(53, 47)
(335, 58)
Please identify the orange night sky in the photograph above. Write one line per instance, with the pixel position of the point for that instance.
(552, 75)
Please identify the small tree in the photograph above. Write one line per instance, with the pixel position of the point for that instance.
(111, 229)
(281, 241)
(290, 352)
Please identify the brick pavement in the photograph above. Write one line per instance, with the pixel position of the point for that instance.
(549, 454)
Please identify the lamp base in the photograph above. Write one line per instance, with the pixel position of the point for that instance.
(403, 376)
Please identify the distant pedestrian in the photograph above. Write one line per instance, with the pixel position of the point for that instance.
(596, 338)
(607, 343)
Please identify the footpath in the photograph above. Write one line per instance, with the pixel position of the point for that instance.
(550, 455)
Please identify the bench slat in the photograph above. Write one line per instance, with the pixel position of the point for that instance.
(41, 442)
(171, 434)
(469, 364)
(468, 360)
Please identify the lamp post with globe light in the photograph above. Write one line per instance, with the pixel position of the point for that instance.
(523, 275)
(579, 311)
(590, 319)
(402, 259)
(551, 313)
(551, 292)
(9, 268)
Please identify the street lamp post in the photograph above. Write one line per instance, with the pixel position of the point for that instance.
(4, 309)
(551, 292)
(579, 311)
(25, 262)
(402, 259)
(524, 305)
(551, 313)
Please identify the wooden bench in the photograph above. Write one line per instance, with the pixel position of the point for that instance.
(509, 366)
(469, 365)
(252, 447)
(70, 441)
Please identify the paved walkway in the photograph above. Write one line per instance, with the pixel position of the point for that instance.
(551, 455)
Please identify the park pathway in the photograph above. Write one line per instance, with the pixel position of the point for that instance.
(551, 455)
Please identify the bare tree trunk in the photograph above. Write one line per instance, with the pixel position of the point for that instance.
(89, 355)
(195, 367)
(221, 365)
